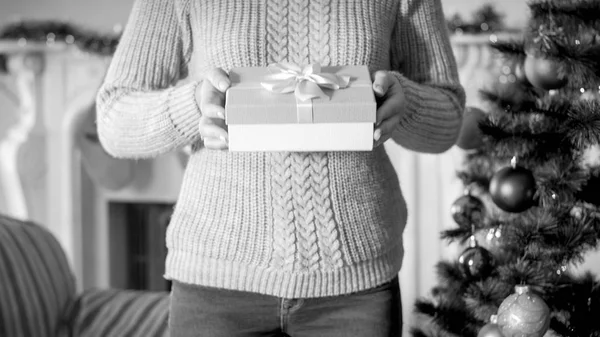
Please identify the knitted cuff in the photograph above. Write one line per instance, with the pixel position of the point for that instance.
(431, 118)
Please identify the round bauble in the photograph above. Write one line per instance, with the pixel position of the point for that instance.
(467, 211)
(523, 314)
(513, 188)
(470, 136)
(476, 262)
(490, 330)
(543, 73)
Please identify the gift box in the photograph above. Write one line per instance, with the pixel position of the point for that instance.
(288, 108)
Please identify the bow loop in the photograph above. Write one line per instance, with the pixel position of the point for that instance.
(306, 82)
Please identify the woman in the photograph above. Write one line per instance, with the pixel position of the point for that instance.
(309, 244)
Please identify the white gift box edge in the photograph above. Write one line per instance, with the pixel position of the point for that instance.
(307, 137)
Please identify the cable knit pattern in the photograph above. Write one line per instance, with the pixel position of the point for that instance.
(277, 31)
(326, 227)
(319, 31)
(284, 238)
(298, 31)
(284, 224)
(303, 199)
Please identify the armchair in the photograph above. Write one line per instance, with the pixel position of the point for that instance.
(38, 297)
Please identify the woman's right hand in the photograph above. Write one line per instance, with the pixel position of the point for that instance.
(210, 96)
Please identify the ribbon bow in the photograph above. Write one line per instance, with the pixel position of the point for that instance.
(306, 83)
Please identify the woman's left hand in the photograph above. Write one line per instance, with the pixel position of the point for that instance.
(390, 105)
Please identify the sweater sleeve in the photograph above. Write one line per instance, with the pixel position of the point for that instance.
(423, 62)
(142, 112)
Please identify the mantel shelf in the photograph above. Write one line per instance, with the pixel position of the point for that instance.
(14, 47)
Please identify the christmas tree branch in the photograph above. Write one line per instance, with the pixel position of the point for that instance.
(484, 297)
(505, 99)
(450, 316)
(510, 50)
(577, 300)
(460, 234)
(584, 10)
(478, 171)
(581, 65)
(583, 125)
(558, 182)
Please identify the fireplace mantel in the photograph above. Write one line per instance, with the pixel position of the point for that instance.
(41, 173)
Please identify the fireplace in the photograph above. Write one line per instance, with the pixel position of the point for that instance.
(137, 245)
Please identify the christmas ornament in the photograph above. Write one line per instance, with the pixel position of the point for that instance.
(513, 188)
(543, 73)
(467, 210)
(523, 314)
(475, 262)
(490, 238)
(491, 329)
(470, 136)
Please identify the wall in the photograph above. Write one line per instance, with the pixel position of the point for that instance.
(105, 14)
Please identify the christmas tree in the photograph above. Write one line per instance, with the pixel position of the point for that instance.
(531, 209)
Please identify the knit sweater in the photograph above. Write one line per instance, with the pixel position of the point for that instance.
(292, 225)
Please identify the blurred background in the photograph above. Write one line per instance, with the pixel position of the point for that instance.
(110, 215)
(106, 14)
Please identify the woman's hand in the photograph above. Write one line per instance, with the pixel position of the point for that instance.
(390, 105)
(210, 96)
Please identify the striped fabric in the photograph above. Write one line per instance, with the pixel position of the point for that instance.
(36, 284)
(120, 313)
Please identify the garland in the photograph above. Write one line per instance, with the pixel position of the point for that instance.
(51, 32)
(485, 20)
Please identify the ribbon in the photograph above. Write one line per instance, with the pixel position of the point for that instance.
(306, 83)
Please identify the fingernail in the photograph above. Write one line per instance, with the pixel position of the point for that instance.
(223, 139)
(378, 89)
(220, 114)
(377, 134)
(223, 85)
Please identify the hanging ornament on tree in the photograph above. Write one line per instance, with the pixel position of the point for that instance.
(491, 329)
(523, 314)
(543, 73)
(470, 136)
(468, 210)
(475, 262)
(513, 188)
(490, 238)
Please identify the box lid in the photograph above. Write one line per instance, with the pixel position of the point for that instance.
(247, 102)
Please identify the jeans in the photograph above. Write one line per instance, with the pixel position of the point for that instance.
(198, 311)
